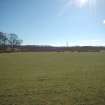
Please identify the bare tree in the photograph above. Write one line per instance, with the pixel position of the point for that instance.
(3, 40)
(9, 41)
(14, 41)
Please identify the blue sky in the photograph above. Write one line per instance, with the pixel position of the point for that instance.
(55, 22)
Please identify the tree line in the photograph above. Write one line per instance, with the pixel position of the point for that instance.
(39, 48)
(9, 41)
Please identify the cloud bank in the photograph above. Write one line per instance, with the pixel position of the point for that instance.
(80, 43)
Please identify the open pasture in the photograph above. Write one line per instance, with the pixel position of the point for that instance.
(55, 78)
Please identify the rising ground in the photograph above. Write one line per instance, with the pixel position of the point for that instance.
(55, 78)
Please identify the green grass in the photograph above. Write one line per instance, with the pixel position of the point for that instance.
(52, 78)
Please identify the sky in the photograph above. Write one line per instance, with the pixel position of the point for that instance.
(55, 22)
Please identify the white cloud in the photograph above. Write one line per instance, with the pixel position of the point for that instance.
(87, 43)
(103, 21)
(91, 43)
(81, 43)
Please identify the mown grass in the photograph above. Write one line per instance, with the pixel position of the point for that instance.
(52, 78)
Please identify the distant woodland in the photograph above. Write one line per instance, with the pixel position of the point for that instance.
(12, 43)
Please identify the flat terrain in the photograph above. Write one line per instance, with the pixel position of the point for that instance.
(57, 78)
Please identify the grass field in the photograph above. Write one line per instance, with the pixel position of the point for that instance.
(57, 78)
